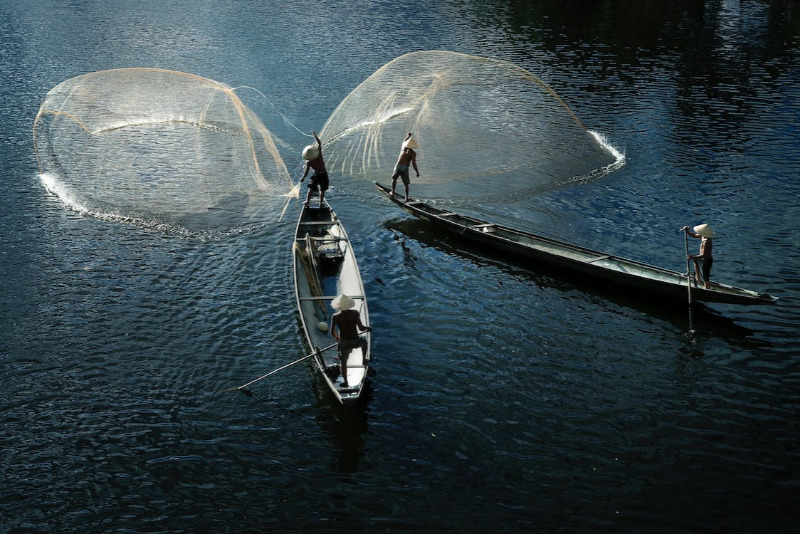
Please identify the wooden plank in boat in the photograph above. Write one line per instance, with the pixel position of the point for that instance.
(319, 223)
(330, 297)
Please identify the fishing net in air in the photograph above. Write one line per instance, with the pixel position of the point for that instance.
(158, 145)
(485, 128)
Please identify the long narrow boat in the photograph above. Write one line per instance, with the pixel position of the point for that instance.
(619, 272)
(324, 267)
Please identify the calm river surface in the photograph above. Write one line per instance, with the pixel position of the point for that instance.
(505, 398)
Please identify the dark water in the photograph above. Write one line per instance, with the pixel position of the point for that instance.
(505, 399)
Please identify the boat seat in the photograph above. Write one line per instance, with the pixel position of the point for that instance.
(330, 239)
(328, 297)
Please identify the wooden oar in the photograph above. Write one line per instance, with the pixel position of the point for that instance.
(243, 387)
(688, 279)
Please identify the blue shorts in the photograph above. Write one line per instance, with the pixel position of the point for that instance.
(705, 267)
(401, 171)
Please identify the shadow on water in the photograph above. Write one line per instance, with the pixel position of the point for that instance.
(345, 424)
(706, 321)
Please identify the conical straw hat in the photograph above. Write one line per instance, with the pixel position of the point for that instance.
(310, 152)
(410, 143)
(342, 302)
(704, 230)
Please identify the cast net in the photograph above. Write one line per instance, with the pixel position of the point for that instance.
(485, 128)
(158, 146)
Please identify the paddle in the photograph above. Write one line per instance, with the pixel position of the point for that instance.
(688, 276)
(243, 387)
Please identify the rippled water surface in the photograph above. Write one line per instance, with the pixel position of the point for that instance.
(505, 398)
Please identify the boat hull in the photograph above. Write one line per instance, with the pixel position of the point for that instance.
(620, 272)
(325, 266)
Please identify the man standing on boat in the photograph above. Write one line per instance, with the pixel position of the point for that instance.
(407, 157)
(319, 181)
(704, 258)
(345, 327)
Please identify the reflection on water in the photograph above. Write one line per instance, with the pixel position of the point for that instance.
(710, 322)
(346, 426)
(505, 398)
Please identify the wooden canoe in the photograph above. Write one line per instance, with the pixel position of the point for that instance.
(619, 272)
(324, 267)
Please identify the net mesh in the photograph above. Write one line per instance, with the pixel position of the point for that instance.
(157, 144)
(485, 127)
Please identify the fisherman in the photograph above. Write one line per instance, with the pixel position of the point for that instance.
(345, 327)
(319, 181)
(704, 260)
(407, 157)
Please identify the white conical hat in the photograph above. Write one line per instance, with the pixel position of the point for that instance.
(410, 143)
(310, 152)
(342, 302)
(704, 230)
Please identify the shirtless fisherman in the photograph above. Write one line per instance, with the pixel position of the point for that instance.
(319, 181)
(407, 157)
(704, 258)
(345, 327)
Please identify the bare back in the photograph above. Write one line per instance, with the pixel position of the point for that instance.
(407, 157)
(318, 164)
(348, 322)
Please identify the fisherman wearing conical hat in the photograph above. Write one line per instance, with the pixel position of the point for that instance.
(407, 157)
(319, 181)
(345, 327)
(704, 260)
